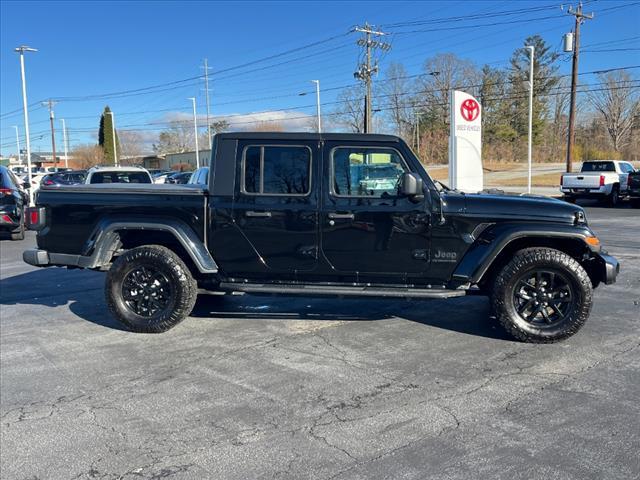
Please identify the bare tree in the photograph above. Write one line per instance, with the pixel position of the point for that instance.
(349, 114)
(395, 92)
(88, 155)
(618, 104)
(177, 138)
(132, 146)
(443, 73)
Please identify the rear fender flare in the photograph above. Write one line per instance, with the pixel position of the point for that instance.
(105, 240)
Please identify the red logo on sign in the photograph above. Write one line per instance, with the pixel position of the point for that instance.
(470, 109)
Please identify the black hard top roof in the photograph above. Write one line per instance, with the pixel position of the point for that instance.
(340, 137)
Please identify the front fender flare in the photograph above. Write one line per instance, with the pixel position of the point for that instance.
(494, 240)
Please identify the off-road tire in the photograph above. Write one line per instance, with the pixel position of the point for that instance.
(18, 233)
(532, 260)
(182, 295)
(614, 197)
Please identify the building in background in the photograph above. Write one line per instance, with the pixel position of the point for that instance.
(178, 161)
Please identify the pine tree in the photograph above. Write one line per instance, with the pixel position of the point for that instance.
(105, 136)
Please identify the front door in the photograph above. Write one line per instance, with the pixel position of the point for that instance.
(276, 207)
(367, 227)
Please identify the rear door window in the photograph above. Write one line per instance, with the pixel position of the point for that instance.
(277, 170)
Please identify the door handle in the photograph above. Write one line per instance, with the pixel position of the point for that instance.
(341, 216)
(251, 213)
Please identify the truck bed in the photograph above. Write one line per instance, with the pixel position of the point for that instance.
(73, 211)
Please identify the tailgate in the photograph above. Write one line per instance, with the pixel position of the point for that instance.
(581, 180)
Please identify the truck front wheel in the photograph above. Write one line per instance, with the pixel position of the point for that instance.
(150, 289)
(542, 296)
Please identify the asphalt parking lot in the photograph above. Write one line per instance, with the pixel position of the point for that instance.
(294, 388)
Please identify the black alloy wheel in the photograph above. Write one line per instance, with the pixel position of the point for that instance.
(543, 298)
(150, 289)
(146, 291)
(542, 295)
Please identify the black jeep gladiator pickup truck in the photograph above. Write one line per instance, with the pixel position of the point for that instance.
(323, 214)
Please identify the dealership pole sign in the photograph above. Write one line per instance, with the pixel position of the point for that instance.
(465, 143)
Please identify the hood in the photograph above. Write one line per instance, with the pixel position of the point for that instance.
(528, 207)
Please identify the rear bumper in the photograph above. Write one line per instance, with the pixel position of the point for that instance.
(610, 267)
(586, 192)
(42, 258)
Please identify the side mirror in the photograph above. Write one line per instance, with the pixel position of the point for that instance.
(411, 186)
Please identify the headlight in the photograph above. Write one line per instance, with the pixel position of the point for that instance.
(580, 218)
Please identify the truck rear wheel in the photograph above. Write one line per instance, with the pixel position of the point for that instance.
(150, 289)
(542, 296)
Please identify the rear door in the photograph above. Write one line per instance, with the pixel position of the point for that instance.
(275, 209)
(367, 228)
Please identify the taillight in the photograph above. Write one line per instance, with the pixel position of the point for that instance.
(602, 180)
(36, 218)
(48, 182)
(5, 191)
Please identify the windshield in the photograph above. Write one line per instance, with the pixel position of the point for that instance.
(598, 167)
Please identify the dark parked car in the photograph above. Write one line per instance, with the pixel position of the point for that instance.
(200, 177)
(65, 178)
(13, 200)
(634, 187)
(285, 213)
(179, 178)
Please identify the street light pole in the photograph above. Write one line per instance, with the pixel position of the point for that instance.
(18, 144)
(21, 49)
(113, 135)
(66, 147)
(195, 130)
(531, 49)
(317, 82)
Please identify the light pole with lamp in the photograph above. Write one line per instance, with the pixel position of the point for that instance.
(21, 49)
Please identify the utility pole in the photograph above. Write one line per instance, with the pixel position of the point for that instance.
(417, 115)
(66, 147)
(195, 129)
(50, 104)
(21, 49)
(366, 70)
(206, 92)
(532, 52)
(580, 17)
(317, 82)
(18, 144)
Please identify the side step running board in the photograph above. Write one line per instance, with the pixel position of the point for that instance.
(332, 290)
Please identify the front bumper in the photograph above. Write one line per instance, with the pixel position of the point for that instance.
(610, 267)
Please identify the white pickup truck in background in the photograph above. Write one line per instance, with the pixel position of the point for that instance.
(603, 179)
